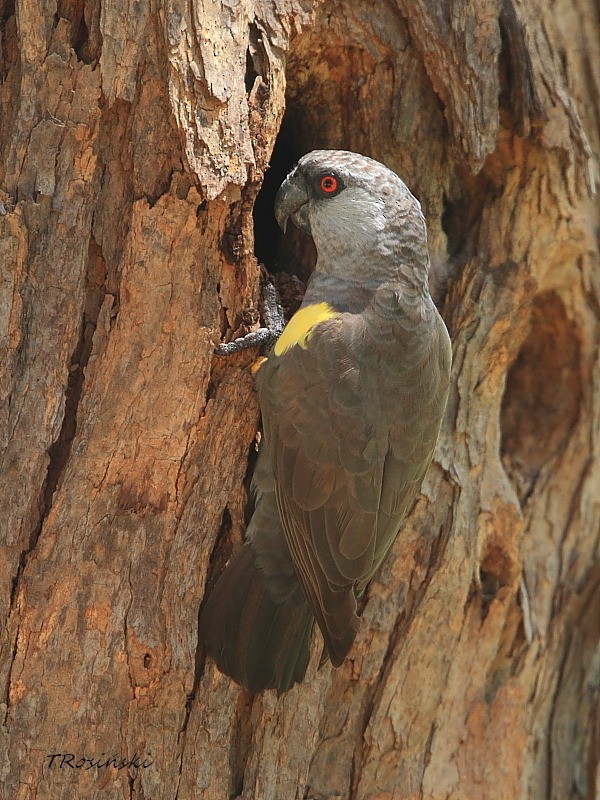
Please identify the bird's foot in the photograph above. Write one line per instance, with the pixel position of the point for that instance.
(272, 313)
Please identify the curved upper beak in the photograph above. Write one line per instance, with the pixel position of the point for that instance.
(292, 201)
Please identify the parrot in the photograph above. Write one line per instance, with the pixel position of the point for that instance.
(352, 396)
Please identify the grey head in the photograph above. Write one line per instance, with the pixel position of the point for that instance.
(365, 223)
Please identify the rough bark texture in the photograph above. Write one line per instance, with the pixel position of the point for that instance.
(134, 138)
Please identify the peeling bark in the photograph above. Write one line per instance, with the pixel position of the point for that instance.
(134, 142)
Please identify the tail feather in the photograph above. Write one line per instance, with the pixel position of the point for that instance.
(258, 642)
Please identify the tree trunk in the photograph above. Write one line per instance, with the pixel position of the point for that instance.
(134, 139)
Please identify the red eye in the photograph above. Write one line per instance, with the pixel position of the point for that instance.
(328, 184)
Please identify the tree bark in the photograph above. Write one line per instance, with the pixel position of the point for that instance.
(134, 139)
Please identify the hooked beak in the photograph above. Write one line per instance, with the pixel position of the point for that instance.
(292, 201)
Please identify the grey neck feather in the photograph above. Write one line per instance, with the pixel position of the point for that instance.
(372, 241)
(351, 269)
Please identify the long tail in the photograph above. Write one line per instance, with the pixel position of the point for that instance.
(258, 642)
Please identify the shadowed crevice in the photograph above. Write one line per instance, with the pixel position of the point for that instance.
(83, 17)
(94, 297)
(8, 37)
(518, 95)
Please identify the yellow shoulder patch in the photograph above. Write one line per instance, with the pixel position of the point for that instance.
(300, 326)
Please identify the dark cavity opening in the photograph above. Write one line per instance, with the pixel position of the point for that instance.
(316, 105)
(495, 571)
(542, 395)
(289, 258)
(267, 234)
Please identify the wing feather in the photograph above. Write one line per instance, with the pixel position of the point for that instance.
(348, 447)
